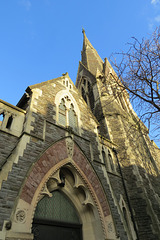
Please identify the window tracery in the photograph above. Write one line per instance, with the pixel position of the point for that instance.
(72, 117)
(107, 159)
(66, 114)
(62, 113)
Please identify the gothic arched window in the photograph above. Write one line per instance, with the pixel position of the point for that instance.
(87, 93)
(91, 99)
(66, 114)
(110, 161)
(9, 122)
(83, 95)
(105, 160)
(72, 117)
(62, 113)
(127, 218)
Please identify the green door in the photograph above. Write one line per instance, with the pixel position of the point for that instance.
(56, 218)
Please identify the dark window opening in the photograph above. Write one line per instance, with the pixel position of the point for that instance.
(9, 123)
(110, 160)
(91, 100)
(104, 156)
(89, 87)
(83, 95)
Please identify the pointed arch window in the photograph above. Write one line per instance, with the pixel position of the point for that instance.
(72, 117)
(87, 93)
(127, 219)
(66, 114)
(9, 123)
(83, 95)
(110, 160)
(107, 159)
(91, 99)
(62, 113)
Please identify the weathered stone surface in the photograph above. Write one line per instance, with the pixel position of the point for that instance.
(109, 148)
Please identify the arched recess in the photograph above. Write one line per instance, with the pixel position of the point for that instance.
(87, 92)
(58, 217)
(82, 187)
(128, 224)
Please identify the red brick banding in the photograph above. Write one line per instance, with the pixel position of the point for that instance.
(86, 168)
(49, 159)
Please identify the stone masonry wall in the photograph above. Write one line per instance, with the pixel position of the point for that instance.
(45, 132)
(7, 144)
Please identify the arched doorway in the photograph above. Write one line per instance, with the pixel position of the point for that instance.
(56, 218)
(74, 177)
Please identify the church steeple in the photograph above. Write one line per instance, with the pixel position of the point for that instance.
(90, 58)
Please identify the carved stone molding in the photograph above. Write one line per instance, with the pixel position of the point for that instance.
(70, 146)
(110, 227)
(45, 191)
(20, 216)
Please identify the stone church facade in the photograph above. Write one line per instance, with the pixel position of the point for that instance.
(76, 163)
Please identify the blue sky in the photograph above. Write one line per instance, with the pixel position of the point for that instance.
(41, 39)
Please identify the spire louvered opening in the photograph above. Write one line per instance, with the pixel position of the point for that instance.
(87, 92)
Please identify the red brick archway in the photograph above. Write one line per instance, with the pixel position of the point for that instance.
(50, 158)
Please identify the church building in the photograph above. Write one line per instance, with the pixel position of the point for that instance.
(76, 162)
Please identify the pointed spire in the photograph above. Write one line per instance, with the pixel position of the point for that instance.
(90, 58)
(83, 31)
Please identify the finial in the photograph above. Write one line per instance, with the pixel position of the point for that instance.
(83, 31)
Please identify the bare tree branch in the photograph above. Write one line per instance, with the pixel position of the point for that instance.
(139, 72)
